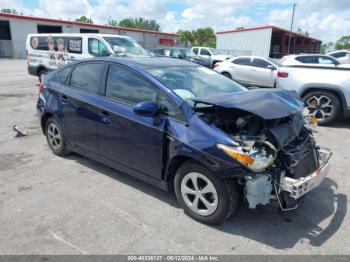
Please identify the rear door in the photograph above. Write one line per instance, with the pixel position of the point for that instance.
(261, 74)
(126, 138)
(79, 103)
(241, 70)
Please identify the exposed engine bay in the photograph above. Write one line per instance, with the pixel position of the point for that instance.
(279, 153)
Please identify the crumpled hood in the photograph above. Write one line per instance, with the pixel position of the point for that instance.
(266, 103)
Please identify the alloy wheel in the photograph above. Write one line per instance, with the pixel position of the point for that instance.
(199, 194)
(320, 106)
(54, 136)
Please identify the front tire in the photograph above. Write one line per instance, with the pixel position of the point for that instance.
(324, 105)
(204, 196)
(55, 137)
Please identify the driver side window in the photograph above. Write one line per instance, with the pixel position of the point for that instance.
(97, 48)
(205, 52)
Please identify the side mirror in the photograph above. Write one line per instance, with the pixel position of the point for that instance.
(180, 56)
(271, 67)
(146, 108)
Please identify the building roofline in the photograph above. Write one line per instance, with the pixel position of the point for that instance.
(73, 23)
(266, 27)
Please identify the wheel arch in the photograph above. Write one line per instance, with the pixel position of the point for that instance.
(173, 166)
(43, 121)
(338, 93)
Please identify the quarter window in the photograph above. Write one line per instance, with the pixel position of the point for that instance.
(242, 61)
(339, 54)
(127, 87)
(63, 75)
(97, 48)
(87, 77)
(168, 108)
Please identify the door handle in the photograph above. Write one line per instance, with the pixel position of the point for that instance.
(105, 118)
(64, 99)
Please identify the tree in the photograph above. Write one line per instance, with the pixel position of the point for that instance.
(343, 42)
(84, 19)
(112, 22)
(302, 32)
(186, 37)
(140, 23)
(9, 11)
(205, 37)
(326, 47)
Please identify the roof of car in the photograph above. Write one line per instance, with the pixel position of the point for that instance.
(147, 62)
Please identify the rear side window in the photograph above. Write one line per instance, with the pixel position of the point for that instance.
(127, 87)
(260, 63)
(307, 59)
(87, 77)
(62, 75)
(195, 50)
(57, 44)
(242, 61)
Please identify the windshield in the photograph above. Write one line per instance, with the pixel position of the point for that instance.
(186, 52)
(131, 46)
(215, 51)
(194, 82)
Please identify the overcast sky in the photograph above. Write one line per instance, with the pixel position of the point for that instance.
(327, 20)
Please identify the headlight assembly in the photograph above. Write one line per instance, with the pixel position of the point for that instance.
(255, 155)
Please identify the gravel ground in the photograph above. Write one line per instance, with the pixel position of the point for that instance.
(74, 205)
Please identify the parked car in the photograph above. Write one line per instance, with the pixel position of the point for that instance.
(326, 91)
(184, 128)
(46, 52)
(249, 70)
(312, 59)
(209, 55)
(181, 53)
(342, 56)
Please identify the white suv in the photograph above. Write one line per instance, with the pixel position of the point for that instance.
(342, 56)
(209, 55)
(311, 59)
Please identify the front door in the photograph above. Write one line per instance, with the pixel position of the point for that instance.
(261, 74)
(126, 138)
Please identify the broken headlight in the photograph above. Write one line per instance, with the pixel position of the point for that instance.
(310, 121)
(255, 155)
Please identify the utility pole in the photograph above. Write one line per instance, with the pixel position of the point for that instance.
(291, 29)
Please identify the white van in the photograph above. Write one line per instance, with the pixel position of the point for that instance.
(46, 52)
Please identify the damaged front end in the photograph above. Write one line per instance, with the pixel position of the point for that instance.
(275, 145)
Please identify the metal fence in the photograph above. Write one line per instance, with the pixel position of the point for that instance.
(237, 52)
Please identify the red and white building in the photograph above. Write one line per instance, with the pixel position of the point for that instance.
(15, 28)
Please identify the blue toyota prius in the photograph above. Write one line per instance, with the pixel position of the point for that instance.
(186, 129)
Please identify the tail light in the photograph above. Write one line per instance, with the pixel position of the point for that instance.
(282, 74)
(216, 65)
(41, 88)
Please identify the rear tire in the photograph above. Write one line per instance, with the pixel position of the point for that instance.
(209, 199)
(55, 137)
(228, 75)
(324, 105)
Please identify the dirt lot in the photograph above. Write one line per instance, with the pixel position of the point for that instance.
(73, 205)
